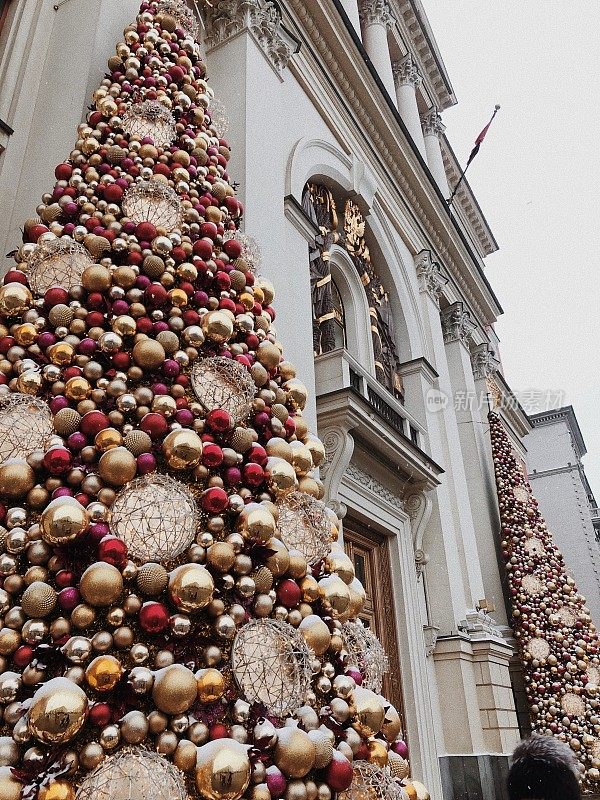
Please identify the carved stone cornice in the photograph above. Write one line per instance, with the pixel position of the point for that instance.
(376, 12)
(406, 72)
(224, 19)
(484, 361)
(430, 276)
(457, 324)
(432, 123)
(374, 486)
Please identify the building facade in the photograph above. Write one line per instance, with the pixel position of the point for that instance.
(335, 120)
(557, 476)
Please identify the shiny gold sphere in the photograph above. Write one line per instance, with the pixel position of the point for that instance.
(191, 587)
(278, 561)
(217, 326)
(280, 475)
(222, 770)
(369, 711)
(294, 752)
(301, 458)
(61, 353)
(257, 522)
(182, 449)
(297, 393)
(15, 299)
(221, 556)
(338, 563)
(358, 598)
(148, 354)
(211, 685)
(268, 354)
(310, 589)
(378, 753)
(335, 594)
(63, 520)
(57, 711)
(10, 787)
(184, 756)
(16, 478)
(175, 689)
(101, 584)
(316, 634)
(117, 466)
(103, 673)
(392, 724)
(77, 389)
(107, 439)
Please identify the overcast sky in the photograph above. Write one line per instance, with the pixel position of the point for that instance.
(537, 179)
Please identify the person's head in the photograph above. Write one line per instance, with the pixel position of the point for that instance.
(543, 768)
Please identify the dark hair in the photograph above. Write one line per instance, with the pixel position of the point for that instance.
(543, 768)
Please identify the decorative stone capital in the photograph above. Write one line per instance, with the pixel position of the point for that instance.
(376, 12)
(432, 123)
(457, 324)
(429, 274)
(430, 634)
(406, 72)
(226, 18)
(484, 361)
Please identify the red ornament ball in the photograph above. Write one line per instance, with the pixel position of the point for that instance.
(214, 500)
(113, 551)
(154, 617)
(339, 773)
(289, 593)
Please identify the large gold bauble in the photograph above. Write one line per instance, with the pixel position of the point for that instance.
(268, 355)
(148, 354)
(257, 522)
(10, 787)
(337, 562)
(398, 766)
(57, 711)
(217, 326)
(369, 712)
(103, 673)
(211, 685)
(15, 299)
(279, 560)
(63, 520)
(221, 556)
(117, 466)
(294, 752)
(191, 587)
(38, 600)
(222, 770)
(316, 634)
(281, 475)
(16, 478)
(182, 449)
(175, 689)
(134, 774)
(392, 724)
(101, 584)
(358, 598)
(57, 790)
(297, 393)
(378, 753)
(334, 594)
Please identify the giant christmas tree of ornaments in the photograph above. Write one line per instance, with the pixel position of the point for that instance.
(557, 641)
(178, 618)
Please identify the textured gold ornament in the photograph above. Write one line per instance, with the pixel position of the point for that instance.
(148, 354)
(156, 518)
(271, 664)
(25, 426)
(153, 201)
(304, 525)
(531, 584)
(573, 705)
(57, 711)
(175, 689)
(16, 478)
(223, 770)
(58, 262)
(191, 587)
(398, 766)
(101, 584)
(521, 494)
(294, 752)
(224, 383)
(117, 466)
(152, 119)
(152, 579)
(134, 774)
(38, 600)
(539, 648)
(63, 520)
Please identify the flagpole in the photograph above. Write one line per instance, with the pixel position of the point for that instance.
(473, 154)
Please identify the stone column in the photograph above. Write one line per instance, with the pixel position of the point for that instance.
(376, 18)
(433, 128)
(407, 77)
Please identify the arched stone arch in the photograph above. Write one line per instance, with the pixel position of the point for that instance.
(356, 309)
(317, 160)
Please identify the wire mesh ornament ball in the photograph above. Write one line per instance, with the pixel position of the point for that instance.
(156, 518)
(539, 648)
(251, 256)
(25, 426)
(366, 653)
(573, 704)
(370, 782)
(271, 664)
(304, 525)
(155, 202)
(534, 546)
(224, 383)
(219, 118)
(182, 15)
(152, 119)
(134, 774)
(58, 262)
(521, 494)
(532, 585)
(566, 616)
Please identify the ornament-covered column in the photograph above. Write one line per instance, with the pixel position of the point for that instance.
(557, 640)
(433, 128)
(376, 18)
(407, 77)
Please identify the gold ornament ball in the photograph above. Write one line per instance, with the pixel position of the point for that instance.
(369, 712)
(221, 556)
(101, 584)
(337, 562)
(184, 756)
(222, 770)
(297, 393)
(268, 355)
(182, 449)
(175, 689)
(281, 475)
(257, 522)
(378, 753)
(311, 486)
(301, 458)
(217, 326)
(15, 299)
(278, 561)
(16, 478)
(107, 439)
(10, 787)
(323, 748)
(421, 792)
(57, 711)
(392, 725)
(66, 421)
(294, 752)
(316, 634)
(57, 790)
(152, 579)
(148, 354)
(398, 766)
(358, 598)
(96, 278)
(191, 587)
(117, 466)
(39, 599)
(63, 520)
(310, 589)
(335, 594)
(211, 685)
(103, 673)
